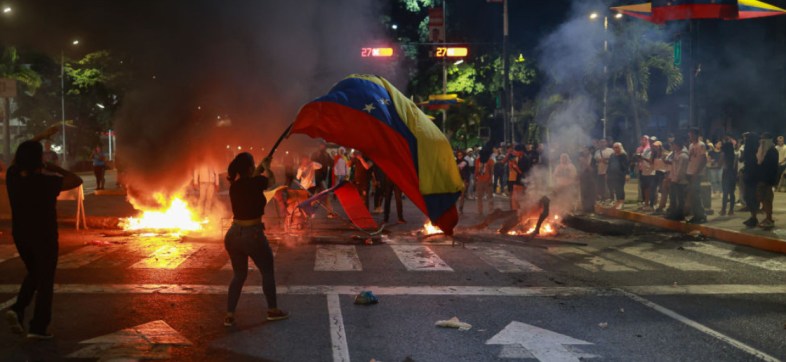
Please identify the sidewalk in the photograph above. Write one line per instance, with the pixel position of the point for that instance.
(725, 228)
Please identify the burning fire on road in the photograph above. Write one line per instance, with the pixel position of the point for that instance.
(173, 216)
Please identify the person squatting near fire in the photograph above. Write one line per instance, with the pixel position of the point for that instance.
(99, 166)
(205, 180)
(33, 186)
(246, 237)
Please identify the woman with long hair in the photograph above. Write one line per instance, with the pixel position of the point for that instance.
(246, 237)
(33, 187)
(728, 164)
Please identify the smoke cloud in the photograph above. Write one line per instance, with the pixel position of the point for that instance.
(252, 62)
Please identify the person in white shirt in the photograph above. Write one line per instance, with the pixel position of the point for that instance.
(781, 148)
(306, 174)
(601, 158)
(340, 166)
(205, 180)
(697, 160)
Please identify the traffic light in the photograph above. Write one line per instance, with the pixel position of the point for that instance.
(376, 52)
(451, 52)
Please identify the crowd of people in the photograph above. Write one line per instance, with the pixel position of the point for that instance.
(673, 175)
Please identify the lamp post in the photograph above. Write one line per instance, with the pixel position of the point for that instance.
(62, 102)
(595, 16)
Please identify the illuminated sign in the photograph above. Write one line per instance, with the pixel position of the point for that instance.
(443, 52)
(376, 52)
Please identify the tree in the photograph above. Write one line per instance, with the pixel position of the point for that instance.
(12, 67)
(636, 57)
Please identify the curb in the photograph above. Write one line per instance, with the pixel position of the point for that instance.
(734, 237)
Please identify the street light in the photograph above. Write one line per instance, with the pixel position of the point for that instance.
(7, 10)
(594, 16)
(75, 42)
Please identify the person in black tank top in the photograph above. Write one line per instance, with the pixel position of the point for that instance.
(246, 237)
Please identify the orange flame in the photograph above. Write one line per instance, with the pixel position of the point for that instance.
(175, 217)
(548, 228)
(430, 229)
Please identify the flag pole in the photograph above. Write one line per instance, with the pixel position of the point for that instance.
(280, 138)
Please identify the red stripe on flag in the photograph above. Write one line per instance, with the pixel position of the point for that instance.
(663, 14)
(358, 129)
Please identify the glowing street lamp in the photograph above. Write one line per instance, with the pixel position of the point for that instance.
(7, 10)
(75, 42)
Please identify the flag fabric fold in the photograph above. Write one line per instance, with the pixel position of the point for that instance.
(368, 113)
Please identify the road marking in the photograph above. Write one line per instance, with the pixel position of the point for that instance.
(701, 328)
(8, 252)
(168, 256)
(146, 341)
(251, 265)
(774, 264)
(542, 344)
(419, 258)
(666, 257)
(337, 258)
(595, 263)
(718, 289)
(83, 256)
(503, 260)
(338, 336)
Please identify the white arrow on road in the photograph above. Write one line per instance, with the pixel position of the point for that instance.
(151, 340)
(543, 344)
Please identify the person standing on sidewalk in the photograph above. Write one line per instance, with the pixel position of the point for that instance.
(697, 161)
(750, 178)
(617, 174)
(33, 187)
(781, 148)
(728, 164)
(205, 180)
(602, 155)
(679, 180)
(484, 169)
(99, 166)
(246, 237)
(767, 159)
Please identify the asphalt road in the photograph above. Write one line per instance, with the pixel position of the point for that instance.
(652, 297)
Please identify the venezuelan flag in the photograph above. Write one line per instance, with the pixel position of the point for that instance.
(662, 11)
(367, 113)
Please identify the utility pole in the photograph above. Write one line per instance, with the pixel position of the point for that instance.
(605, 72)
(507, 97)
(64, 163)
(444, 61)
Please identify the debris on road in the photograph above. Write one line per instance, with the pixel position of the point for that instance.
(98, 243)
(603, 325)
(454, 323)
(366, 297)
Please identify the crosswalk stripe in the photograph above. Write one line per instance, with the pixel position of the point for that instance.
(337, 258)
(168, 256)
(504, 261)
(251, 265)
(595, 263)
(419, 258)
(7, 252)
(666, 257)
(774, 264)
(83, 256)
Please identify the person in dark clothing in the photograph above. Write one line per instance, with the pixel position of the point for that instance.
(587, 177)
(361, 176)
(33, 187)
(767, 160)
(464, 172)
(750, 177)
(246, 237)
(728, 164)
(617, 174)
(389, 189)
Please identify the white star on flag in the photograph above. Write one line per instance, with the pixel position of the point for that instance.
(369, 107)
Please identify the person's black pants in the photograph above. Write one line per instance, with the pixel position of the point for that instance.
(242, 242)
(40, 258)
(389, 190)
(99, 172)
(616, 184)
(728, 185)
(751, 202)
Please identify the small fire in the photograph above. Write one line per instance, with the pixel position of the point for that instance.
(548, 228)
(174, 217)
(430, 229)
